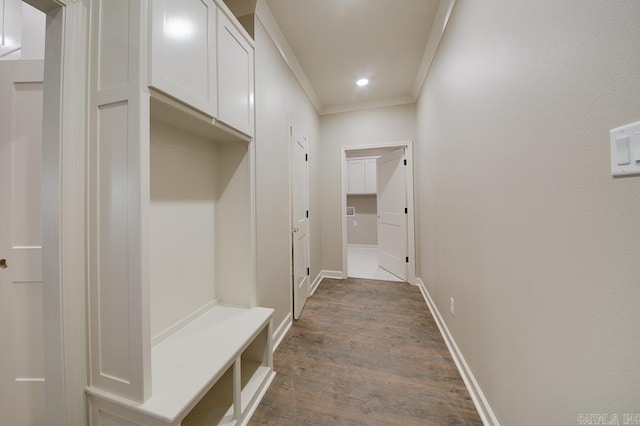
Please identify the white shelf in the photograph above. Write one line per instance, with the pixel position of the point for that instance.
(216, 407)
(254, 377)
(187, 364)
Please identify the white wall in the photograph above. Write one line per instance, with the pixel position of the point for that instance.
(363, 227)
(280, 101)
(365, 127)
(181, 220)
(521, 221)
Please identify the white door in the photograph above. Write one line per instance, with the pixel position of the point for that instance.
(392, 216)
(300, 220)
(22, 390)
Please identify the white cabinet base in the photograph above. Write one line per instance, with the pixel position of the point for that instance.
(213, 371)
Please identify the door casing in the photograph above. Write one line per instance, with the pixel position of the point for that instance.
(63, 208)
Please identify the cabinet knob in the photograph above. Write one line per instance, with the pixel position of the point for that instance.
(3, 264)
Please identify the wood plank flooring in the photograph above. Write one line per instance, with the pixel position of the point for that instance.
(365, 352)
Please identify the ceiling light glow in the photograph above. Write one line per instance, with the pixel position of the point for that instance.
(362, 82)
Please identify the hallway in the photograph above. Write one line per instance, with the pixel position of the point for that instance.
(365, 352)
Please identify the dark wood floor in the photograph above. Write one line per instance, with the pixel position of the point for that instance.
(365, 352)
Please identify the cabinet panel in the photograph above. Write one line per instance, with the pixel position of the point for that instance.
(235, 77)
(362, 176)
(370, 178)
(183, 46)
(356, 176)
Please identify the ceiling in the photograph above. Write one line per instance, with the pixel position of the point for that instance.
(336, 42)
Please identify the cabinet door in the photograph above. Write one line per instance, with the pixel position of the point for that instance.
(370, 178)
(183, 51)
(235, 77)
(356, 176)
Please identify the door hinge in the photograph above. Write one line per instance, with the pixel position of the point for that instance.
(407, 259)
(308, 271)
(307, 214)
(306, 157)
(406, 210)
(405, 161)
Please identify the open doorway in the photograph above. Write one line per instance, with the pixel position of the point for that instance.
(377, 205)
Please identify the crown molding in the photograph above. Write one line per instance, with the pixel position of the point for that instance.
(263, 13)
(437, 30)
(378, 103)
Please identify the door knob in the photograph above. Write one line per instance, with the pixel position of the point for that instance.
(3, 264)
(295, 230)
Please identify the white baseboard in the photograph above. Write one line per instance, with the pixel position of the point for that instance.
(315, 283)
(336, 275)
(487, 415)
(281, 331)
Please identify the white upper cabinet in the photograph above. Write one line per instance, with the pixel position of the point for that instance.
(183, 46)
(370, 176)
(204, 59)
(235, 77)
(356, 176)
(361, 176)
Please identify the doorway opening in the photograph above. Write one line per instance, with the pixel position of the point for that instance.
(377, 206)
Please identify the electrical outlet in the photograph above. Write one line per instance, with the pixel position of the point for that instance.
(355, 223)
(452, 307)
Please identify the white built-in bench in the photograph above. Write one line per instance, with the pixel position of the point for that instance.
(212, 371)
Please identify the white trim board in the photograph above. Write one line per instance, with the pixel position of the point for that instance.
(282, 330)
(485, 411)
(63, 208)
(437, 31)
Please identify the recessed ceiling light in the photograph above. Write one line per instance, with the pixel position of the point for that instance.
(362, 82)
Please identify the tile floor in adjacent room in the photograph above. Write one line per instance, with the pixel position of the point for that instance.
(363, 263)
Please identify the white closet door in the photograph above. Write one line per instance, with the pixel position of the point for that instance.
(392, 219)
(300, 231)
(22, 390)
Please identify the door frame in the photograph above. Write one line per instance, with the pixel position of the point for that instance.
(291, 218)
(64, 137)
(411, 249)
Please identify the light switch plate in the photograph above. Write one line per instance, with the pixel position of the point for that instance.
(625, 150)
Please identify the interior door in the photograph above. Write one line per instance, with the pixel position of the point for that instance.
(22, 389)
(392, 216)
(300, 220)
